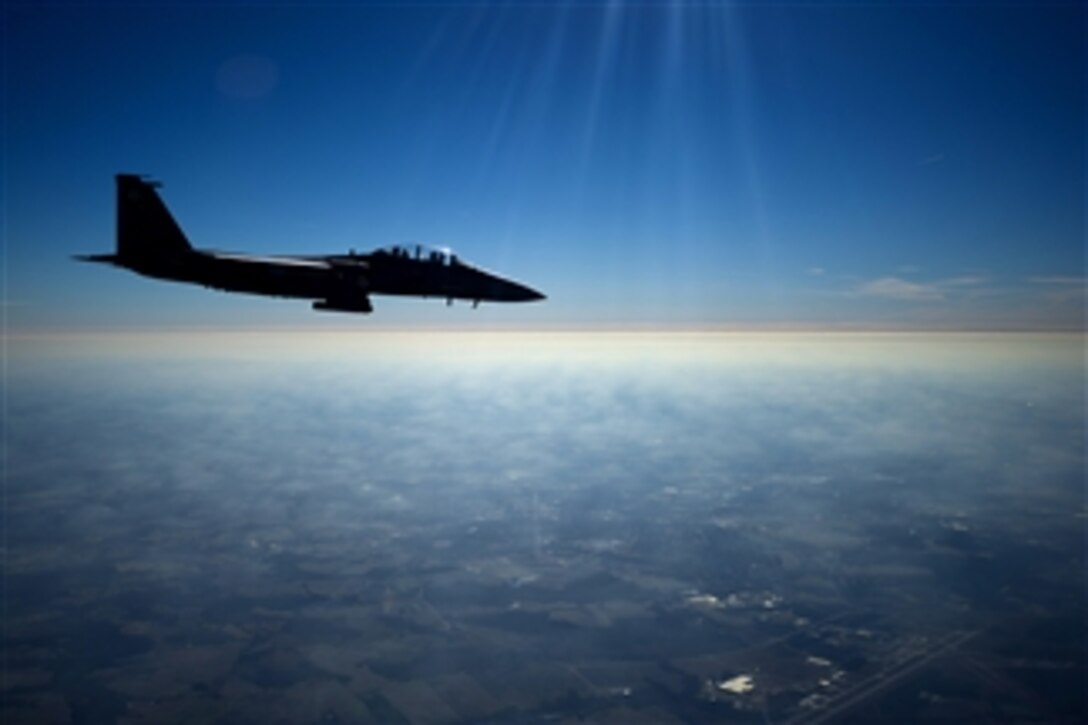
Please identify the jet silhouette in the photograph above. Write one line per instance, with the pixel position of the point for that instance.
(150, 243)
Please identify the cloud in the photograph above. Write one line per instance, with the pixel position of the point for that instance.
(964, 281)
(930, 160)
(1059, 281)
(339, 487)
(970, 300)
(816, 271)
(1063, 291)
(896, 288)
(899, 288)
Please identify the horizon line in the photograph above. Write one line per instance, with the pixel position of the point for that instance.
(138, 331)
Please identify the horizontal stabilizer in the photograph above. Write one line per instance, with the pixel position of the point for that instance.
(99, 258)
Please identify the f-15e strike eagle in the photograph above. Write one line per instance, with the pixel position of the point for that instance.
(150, 242)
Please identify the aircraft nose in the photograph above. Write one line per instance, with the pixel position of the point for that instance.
(531, 295)
(523, 293)
(484, 286)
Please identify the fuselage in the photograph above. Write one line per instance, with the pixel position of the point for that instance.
(395, 271)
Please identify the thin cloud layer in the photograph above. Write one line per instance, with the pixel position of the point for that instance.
(371, 518)
(896, 288)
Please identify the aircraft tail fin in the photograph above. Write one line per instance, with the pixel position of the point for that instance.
(145, 227)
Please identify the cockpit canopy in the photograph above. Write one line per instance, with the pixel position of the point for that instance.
(437, 255)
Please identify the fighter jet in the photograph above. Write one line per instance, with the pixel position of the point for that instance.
(150, 243)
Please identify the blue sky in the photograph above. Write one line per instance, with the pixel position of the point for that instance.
(657, 165)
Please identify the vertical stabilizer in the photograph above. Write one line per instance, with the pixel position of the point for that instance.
(145, 227)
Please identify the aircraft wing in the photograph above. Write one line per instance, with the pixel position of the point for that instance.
(311, 262)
